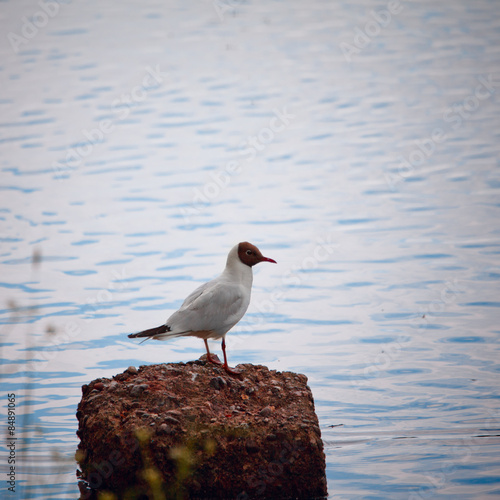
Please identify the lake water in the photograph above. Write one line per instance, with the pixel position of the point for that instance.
(356, 143)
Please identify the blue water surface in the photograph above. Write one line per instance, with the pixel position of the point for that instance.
(356, 143)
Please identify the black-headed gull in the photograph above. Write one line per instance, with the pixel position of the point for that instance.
(214, 307)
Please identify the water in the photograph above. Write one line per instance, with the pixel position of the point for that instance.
(141, 140)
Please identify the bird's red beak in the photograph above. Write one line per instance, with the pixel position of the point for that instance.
(267, 259)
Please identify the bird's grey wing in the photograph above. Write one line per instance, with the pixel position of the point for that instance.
(218, 307)
(195, 294)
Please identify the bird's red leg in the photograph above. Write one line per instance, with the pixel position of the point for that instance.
(231, 371)
(212, 358)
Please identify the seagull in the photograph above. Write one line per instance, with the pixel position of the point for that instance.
(216, 306)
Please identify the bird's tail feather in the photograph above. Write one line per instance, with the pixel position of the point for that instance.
(152, 332)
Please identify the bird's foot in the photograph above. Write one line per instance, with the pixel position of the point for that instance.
(213, 358)
(232, 371)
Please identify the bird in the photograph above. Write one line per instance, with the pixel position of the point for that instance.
(211, 310)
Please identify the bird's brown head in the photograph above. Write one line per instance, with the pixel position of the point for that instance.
(250, 255)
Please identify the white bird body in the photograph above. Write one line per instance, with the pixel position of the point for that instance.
(211, 310)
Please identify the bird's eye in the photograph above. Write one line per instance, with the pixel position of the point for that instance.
(249, 252)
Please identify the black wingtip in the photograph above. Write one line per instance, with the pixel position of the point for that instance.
(151, 332)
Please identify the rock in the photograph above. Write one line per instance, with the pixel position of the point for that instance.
(171, 420)
(266, 412)
(191, 431)
(137, 390)
(218, 383)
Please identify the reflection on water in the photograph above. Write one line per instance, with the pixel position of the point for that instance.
(141, 141)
